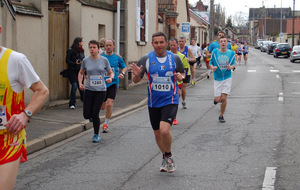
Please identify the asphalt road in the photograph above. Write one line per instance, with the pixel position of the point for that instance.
(257, 147)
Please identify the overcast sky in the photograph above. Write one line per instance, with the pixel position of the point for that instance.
(241, 7)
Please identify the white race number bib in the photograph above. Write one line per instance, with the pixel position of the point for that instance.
(96, 80)
(162, 84)
(2, 117)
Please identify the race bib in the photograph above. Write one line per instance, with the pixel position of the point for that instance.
(223, 65)
(96, 80)
(2, 117)
(162, 84)
(106, 73)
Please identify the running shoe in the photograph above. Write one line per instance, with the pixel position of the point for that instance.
(72, 107)
(105, 128)
(175, 122)
(170, 164)
(221, 119)
(163, 167)
(184, 105)
(96, 138)
(215, 102)
(194, 82)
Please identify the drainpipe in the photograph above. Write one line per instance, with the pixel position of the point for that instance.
(118, 25)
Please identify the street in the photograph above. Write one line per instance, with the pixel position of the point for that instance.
(256, 147)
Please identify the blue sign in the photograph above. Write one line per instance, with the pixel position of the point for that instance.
(281, 35)
(185, 27)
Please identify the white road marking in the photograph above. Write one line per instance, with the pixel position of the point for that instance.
(277, 76)
(271, 67)
(280, 97)
(296, 71)
(296, 93)
(274, 71)
(294, 82)
(269, 180)
(251, 71)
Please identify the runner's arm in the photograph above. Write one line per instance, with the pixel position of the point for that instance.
(18, 121)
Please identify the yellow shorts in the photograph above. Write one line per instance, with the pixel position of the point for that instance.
(12, 147)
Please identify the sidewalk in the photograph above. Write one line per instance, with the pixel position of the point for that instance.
(58, 122)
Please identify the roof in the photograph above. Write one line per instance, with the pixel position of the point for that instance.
(258, 13)
(26, 9)
(201, 15)
(98, 4)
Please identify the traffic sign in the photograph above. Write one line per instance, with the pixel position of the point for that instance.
(185, 27)
(281, 35)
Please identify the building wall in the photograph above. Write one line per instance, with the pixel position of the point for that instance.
(28, 35)
(134, 51)
(8, 35)
(84, 21)
(182, 17)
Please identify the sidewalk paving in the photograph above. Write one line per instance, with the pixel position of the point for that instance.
(58, 122)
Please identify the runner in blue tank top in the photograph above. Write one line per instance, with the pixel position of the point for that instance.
(185, 50)
(245, 52)
(163, 70)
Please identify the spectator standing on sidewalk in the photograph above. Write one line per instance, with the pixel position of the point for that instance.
(75, 55)
(163, 69)
(95, 89)
(222, 62)
(116, 62)
(173, 44)
(187, 52)
(13, 113)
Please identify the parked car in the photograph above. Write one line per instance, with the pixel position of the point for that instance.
(282, 49)
(264, 46)
(271, 47)
(295, 54)
(257, 44)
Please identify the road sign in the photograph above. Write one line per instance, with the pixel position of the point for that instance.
(185, 27)
(281, 35)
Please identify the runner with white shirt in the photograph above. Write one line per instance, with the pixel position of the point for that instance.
(196, 53)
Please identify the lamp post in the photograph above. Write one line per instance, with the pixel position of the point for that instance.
(293, 43)
(281, 22)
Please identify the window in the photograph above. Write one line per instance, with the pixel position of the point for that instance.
(142, 20)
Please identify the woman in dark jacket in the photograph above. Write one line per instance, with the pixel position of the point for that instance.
(74, 58)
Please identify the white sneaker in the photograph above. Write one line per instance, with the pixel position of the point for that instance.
(72, 107)
(184, 105)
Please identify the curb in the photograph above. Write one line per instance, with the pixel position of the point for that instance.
(63, 134)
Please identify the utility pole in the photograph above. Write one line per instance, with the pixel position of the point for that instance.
(281, 22)
(211, 21)
(293, 36)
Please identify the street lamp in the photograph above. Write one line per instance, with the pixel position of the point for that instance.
(281, 23)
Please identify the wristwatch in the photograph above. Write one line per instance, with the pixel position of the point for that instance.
(28, 113)
(123, 73)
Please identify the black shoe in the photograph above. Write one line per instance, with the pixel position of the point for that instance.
(215, 102)
(221, 119)
(207, 76)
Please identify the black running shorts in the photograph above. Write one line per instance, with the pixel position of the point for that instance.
(111, 92)
(166, 113)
